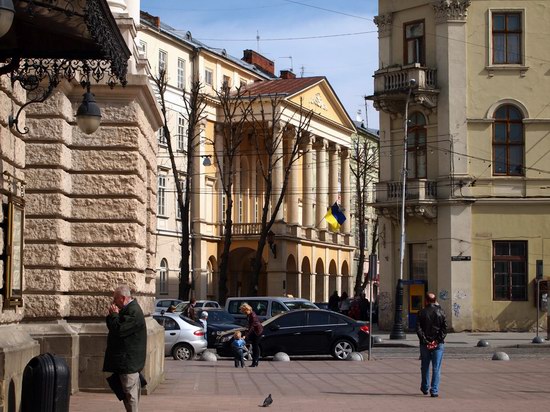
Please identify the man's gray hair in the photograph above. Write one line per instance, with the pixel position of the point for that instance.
(124, 290)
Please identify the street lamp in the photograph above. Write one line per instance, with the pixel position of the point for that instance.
(398, 331)
(7, 11)
(88, 115)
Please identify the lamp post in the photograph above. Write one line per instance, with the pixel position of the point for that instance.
(398, 331)
(7, 11)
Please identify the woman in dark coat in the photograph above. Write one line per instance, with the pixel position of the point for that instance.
(254, 332)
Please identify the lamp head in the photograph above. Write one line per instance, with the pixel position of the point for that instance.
(412, 83)
(7, 11)
(88, 115)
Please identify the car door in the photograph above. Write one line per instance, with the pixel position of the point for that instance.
(318, 333)
(284, 334)
(171, 331)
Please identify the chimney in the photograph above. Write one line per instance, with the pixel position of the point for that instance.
(154, 20)
(262, 63)
(287, 74)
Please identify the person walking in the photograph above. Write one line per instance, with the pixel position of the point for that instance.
(204, 320)
(126, 344)
(189, 310)
(238, 349)
(431, 328)
(344, 304)
(333, 301)
(254, 332)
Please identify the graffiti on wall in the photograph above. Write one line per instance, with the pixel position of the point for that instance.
(443, 294)
(460, 294)
(384, 301)
(456, 309)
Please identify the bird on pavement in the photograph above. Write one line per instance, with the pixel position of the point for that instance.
(268, 401)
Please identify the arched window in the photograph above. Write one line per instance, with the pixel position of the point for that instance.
(508, 144)
(416, 147)
(163, 277)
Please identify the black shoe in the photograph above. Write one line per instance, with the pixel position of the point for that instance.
(423, 391)
(434, 395)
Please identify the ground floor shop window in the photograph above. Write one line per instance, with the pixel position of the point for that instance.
(509, 270)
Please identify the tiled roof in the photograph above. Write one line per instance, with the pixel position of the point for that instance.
(286, 87)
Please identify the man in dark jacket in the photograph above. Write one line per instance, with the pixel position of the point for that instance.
(126, 344)
(431, 328)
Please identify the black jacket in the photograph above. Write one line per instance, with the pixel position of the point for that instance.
(127, 340)
(431, 324)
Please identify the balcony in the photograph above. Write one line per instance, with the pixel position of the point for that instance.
(391, 87)
(420, 198)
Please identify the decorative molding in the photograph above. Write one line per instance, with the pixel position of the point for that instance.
(384, 23)
(451, 10)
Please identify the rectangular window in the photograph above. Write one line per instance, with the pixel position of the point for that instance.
(13, 253)
(418, 261)
(509, 270)
(181, 134)
(210, 202)
(226, 81)
(142, 49)
(507, 37)
(162, 61)
(181, 74)
(161, 196)
(414, 42)
(162, 137)
(208, 77)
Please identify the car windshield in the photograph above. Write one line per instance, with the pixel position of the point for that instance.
(220, 316)
(190, 321)
(180, 306)
(299, 304)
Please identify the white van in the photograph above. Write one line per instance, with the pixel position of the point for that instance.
(265, 306)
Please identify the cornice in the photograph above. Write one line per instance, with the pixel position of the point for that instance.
(451, 10)
(384, 23)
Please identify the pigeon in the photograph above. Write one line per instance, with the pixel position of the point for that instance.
(267, 401)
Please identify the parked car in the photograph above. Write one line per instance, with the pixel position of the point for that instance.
(164, 304)
(199, 304)
(265, 306)
(219, 320)
(183, 337)
(307, 332)
(322, 305)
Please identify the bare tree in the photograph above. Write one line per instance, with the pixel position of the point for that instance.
(364, 168)
(194, 105)
(271, 129)
(236, 108)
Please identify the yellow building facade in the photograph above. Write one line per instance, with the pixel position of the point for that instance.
(310, 261)
(478, 168)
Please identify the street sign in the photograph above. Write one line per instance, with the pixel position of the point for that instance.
(460, 258)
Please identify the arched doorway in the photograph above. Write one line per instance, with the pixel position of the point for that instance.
(332, 277)
(212, 279)
(320, 281)
(240, 273)
(291, 276)
(347, 283)
(306, 279)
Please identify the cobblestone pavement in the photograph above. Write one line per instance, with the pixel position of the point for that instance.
(386, 383)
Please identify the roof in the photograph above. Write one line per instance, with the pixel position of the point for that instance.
(187, 38)
(361, 127)
(286, 87)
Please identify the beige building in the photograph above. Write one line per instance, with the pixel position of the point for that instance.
(309, 260)
(77, 209)
(478, 157)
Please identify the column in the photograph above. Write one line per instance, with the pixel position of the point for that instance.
(237, 190)
(322, 184)
(307, 185)
(278, 172)
(253, 201)
(346, 189)
(293, 191)
(333, 164)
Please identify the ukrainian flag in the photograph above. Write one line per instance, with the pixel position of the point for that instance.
(334, 217)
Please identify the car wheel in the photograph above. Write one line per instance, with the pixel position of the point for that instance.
(183, 351)
(341, 349)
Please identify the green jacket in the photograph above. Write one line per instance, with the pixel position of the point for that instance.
(127, 340)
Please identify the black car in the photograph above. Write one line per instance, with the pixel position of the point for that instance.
(307, 332)
(219, 320)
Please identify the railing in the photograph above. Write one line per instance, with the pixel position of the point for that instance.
(421, 189)
(397, 78)
(243, 229)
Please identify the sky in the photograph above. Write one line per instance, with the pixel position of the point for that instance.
(335, 39)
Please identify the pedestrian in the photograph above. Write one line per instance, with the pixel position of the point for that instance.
(431, 328)
(204, 320)
(171, 309)
(126, 344)
(333, 301)
(364, 307)
(254, 332)
(189, 310)
(344, 304)
(238, 348)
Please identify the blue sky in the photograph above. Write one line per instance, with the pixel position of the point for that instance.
(336, 39)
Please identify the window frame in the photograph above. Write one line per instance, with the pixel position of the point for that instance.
(163, 277)
(181, 74)
(14, 211)
(415, 149)
(181, 144)
(493, 68)
(509, 259)
(507, 144)
(507, 34)
(162, 137)
(163, 61)
(161, 195)
(208, 76)
(421, 44)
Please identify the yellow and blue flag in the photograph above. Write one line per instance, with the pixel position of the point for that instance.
(335, 217)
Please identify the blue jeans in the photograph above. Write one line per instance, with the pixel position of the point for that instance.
(435, 357)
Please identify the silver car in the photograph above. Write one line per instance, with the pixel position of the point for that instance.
(183, 337)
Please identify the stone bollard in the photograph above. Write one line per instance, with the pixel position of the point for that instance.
(355, 356)
(482, 343)
(281, 357)
(208, 357)
(501, 356)
(377, 339)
